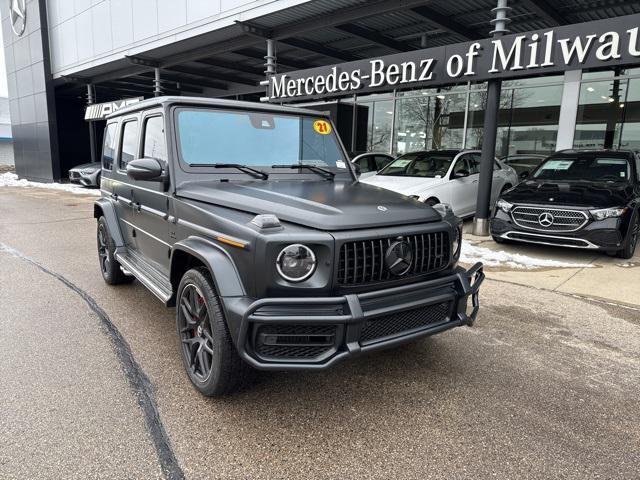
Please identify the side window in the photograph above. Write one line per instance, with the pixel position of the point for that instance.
(363, 163)
(109, 146)
(461, 166)
(154, 140)
(381, 161)
(474, 163)
(129, 144)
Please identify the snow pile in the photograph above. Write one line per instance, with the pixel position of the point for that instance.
(490, 258)
(11, 180)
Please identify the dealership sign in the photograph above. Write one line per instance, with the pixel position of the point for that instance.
(100, 111)
(601, 43)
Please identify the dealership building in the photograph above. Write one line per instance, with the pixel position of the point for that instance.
(397, 75)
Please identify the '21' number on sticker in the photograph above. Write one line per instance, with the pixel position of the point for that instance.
(322, 127)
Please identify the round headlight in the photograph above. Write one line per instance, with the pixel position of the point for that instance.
(296, 263)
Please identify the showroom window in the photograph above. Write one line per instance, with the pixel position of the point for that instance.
(600, 114)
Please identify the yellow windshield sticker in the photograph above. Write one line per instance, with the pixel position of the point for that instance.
(322, 127)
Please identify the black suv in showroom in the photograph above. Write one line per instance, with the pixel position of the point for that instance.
(576, 198)
(249, 219)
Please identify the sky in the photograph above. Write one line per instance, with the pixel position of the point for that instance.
(3, 71)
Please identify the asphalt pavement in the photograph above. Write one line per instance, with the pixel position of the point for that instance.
(545, 385)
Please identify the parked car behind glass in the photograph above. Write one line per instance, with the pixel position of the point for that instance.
(523, 164)
(443, 176)
(576, 198)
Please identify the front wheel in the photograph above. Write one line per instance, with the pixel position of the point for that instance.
(632, 238)
(208, 354)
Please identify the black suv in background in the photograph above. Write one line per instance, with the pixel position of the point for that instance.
(576, 198)
(250, 220)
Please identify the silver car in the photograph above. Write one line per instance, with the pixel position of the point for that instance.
(443, 176)
(368, 164)
(87, 174)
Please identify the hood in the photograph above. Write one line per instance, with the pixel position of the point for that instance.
(578, 194)
(323, 205)
(94, 165)
(403, 185)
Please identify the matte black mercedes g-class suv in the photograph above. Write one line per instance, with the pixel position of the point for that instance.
(249, 219)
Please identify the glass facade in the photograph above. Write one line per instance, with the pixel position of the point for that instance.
(609, 110)
(453, 117)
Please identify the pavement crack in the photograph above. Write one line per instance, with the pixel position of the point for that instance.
(138, 380)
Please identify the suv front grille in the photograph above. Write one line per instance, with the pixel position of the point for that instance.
(362, 262)
(401, 322)
(549, 219)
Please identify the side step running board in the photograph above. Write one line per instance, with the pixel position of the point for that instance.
(147, 275)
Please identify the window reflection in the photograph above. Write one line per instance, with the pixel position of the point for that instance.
(600, 114)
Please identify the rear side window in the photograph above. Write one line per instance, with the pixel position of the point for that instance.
(109, 146)
(154, 142)
(129, 144)
(381, 161)
(364, 164)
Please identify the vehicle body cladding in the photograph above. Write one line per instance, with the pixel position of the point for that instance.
(602, 43)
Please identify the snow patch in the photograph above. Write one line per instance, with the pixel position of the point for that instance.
(490, 258)
(10, 179)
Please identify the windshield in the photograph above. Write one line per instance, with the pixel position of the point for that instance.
(209, 137)
(585, 167)
(419, 164)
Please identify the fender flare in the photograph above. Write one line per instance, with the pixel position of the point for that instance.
(104, 208)
(216, 259)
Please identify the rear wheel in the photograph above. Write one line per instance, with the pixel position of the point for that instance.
(632, 238)
(208, 354)
(432, 201)
(109, 266)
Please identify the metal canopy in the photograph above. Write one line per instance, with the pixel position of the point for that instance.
(230, 62)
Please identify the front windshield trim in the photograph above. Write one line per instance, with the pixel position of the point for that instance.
(267, 167)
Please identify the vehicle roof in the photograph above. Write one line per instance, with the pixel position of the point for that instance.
(573, 151)
(451, 151)
(211, 102)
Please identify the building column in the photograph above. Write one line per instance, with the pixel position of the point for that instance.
(569, 110)
(92, 128)
(494, 87)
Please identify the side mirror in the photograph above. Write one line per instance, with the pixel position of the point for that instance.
(460, 174)
(524, 175)
(357, 168)
(148, 169)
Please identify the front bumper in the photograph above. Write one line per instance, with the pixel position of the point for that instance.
(84, 179)
(315, 333)
(604, 235)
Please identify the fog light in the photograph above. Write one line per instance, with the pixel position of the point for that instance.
(296, 263)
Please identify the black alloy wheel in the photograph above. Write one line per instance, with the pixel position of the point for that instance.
(632, 238)
(208, 353)
(195, 333)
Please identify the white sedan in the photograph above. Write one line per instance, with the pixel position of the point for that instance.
(443, 176)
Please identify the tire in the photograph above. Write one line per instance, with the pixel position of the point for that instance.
(632, 239)
(431, 201)
(208, 354)
(109, 266)
(504, 189)
(498, 240)
(98, 178)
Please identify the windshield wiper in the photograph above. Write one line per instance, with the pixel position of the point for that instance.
(243, 168)
(313, 168)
